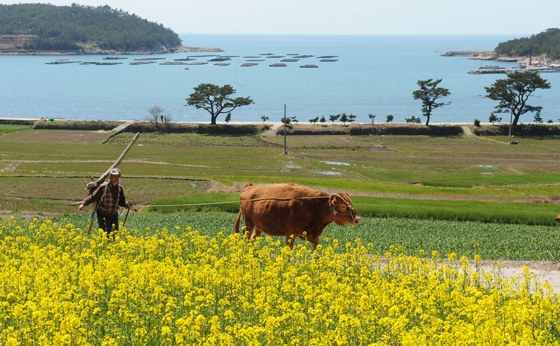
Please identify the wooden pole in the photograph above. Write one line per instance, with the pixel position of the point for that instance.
(119, 160)
(93, 211)
(510, 120)
(126, 217)
(95, 184)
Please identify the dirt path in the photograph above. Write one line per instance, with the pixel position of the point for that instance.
(272, 131)
(467, 130)
(544, 271)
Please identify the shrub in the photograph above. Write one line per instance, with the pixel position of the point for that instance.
(519, 130)
(146, 127)
(84, 125)
(408, 130)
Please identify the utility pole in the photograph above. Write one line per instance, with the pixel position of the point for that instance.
(510, 119)
(285, 148)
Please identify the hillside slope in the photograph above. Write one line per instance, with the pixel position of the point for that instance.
(45, 27)
(546, 42)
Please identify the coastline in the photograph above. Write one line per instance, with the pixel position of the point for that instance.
(94, 51)
(492, 55)
(278, 123)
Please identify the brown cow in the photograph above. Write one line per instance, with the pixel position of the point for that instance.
(291, 210)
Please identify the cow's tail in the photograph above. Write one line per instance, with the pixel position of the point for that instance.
(236, 224)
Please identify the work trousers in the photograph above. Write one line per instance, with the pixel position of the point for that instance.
(108, 223)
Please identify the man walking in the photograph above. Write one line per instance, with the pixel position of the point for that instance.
(110, 196)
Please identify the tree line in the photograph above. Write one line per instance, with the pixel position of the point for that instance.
(546, 42)
(512, 94)
(63, 27)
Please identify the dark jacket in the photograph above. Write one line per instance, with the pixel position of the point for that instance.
(109, 199)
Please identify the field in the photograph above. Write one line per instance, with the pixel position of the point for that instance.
(420, 238)
(50, 165)
(56, 136)
(176, 286)
(439, 214)
(12, 128)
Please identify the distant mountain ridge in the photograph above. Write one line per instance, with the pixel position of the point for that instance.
(547, 42)
(45, 27)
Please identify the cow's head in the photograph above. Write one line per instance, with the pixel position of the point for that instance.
(342, 210)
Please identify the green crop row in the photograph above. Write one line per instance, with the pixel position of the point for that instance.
(7, 128)
(407, 208)
(415, 237)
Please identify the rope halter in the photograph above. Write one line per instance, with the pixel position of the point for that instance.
(351, 209)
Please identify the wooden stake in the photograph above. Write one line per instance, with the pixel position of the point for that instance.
(128, 211)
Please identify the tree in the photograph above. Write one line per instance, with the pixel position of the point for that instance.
(389, 118)
(228, 118)
(344, 118)
(264, 118)
(334, 118)
(428, 94)
(513, 92)
(537, 119)
(351, 118)
(493, 118)
(289, 120)
(412, 119)
(314, 120)
(322, 120)
(372, 117)
(155, 114)
(65, 27)
(216, 100)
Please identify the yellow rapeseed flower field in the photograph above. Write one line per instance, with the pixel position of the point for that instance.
(59, 287)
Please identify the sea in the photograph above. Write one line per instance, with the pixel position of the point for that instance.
(372, 75)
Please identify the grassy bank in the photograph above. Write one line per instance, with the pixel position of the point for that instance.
(405, 208)
(8, 128)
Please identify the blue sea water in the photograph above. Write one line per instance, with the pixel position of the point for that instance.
(373, 75)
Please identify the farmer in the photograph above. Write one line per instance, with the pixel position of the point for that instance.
(110, 196)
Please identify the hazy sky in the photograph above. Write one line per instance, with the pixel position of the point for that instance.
(369, 17)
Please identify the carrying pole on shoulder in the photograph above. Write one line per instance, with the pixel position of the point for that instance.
(93, 185)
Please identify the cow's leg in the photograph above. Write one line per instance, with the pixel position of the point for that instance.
(314, 240)
(249, 225)
(254, 233)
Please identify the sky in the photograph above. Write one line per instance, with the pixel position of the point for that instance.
(336, 17)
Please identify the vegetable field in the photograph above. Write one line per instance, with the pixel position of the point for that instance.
(414, 237)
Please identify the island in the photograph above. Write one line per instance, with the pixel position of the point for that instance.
(542, 50)
(45, 29)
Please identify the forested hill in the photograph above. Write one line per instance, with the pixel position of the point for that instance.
(47, 27)
(547, 42)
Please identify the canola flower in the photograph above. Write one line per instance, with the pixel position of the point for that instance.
(157, 287)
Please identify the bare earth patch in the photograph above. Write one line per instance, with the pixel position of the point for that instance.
(545, 271)
(55, 136)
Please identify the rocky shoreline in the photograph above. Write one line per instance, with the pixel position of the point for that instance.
(491, 55)
(97, 51)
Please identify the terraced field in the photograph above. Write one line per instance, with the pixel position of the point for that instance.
(56, 136)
